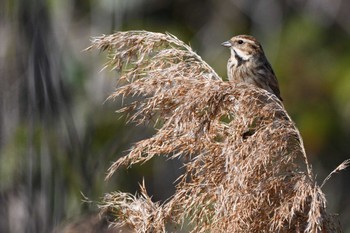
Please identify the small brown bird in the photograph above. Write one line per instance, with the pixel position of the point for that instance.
(249, 64)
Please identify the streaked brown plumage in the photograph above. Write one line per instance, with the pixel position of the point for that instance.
(249, 64)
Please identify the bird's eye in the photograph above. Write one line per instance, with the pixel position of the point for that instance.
(240, 42)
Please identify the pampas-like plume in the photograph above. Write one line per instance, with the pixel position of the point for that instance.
(245, 165)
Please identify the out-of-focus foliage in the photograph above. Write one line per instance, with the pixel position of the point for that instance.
(58, 137)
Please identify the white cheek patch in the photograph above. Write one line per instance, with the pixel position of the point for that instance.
(241, 54)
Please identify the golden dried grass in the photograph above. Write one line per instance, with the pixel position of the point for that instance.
(246, 169)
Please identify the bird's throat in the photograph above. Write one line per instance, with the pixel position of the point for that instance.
(240, 57)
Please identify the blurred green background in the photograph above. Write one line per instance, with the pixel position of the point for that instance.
(58, 137)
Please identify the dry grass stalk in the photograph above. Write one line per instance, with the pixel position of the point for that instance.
(138, 213)
(246, 167)
(342, 166)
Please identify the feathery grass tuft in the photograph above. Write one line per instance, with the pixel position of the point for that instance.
(245, 165)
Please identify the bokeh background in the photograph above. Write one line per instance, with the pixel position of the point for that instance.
(58, 136)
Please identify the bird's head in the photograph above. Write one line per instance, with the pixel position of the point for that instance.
(243, 47)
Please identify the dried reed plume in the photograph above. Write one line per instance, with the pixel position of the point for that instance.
(246, 168)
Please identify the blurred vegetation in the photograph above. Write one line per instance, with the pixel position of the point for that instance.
(58, 136)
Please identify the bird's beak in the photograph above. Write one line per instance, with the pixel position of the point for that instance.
(226, 44)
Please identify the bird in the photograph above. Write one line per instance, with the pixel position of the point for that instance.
(248, 64)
